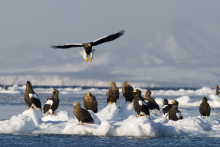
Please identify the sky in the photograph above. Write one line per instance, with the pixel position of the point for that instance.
(166, 43)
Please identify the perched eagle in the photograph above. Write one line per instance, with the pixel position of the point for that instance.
(31, 98)
(88, 51)
(166, 107)
(52, 103)
(217, 90)
(152, 104)
(174, 113)
(5, 87)
(113, 93)
(140, 104)
(204, 107)
(90, 102)
(82, 115)
(127, 91)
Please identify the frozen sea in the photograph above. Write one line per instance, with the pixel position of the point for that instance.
(115, 125)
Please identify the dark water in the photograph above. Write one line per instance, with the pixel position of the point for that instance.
(91, 141)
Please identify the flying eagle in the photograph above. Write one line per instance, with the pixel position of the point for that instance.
(88, 52)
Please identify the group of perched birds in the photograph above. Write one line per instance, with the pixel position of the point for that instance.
(32, 100)
(142, 105)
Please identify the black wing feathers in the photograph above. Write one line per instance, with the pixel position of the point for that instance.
(46, 108)
(108, 38)
(36, 102)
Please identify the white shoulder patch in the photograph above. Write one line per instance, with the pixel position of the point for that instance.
(164, 106)
(50, 111)
(178, 114)
(49, 102)
(31, 95)
(100, 38)
(142, 102)
(72, 44)
(146, 101)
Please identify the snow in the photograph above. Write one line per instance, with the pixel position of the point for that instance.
(118, 119)
(181, 92)
(61, 116)
(111, 121)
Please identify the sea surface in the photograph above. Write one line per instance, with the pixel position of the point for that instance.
(12, 103)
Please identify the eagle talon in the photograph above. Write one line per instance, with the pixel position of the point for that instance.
(86, 60)
(139, 115)
(30, 108)
(80, 123)
(52, 114)
(90, 59)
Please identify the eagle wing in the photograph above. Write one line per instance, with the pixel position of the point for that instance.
(108, 38)
(66, 46)
(48, 105)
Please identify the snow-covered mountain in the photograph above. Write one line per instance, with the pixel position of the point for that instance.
(165, 44)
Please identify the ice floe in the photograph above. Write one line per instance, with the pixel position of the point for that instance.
(111, 121)
(80, 90)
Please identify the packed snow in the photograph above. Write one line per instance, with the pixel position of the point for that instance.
(116, 119)
(111, 121)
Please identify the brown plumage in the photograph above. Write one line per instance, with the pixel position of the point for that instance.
(113, 93)
(174, 113)
(5, 87)
(82, 115)
(90, 102)
(217, 90)
(152, 104)
(204, 107)
(31, 98)
(127, 91)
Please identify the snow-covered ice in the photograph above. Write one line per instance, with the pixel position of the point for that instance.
(79, 90)
(111, 121)
(116, 119)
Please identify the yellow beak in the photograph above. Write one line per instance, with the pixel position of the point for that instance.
(52, 90)
(134, 91)
(173, 102)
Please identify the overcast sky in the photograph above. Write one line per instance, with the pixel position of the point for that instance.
(166, 43)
